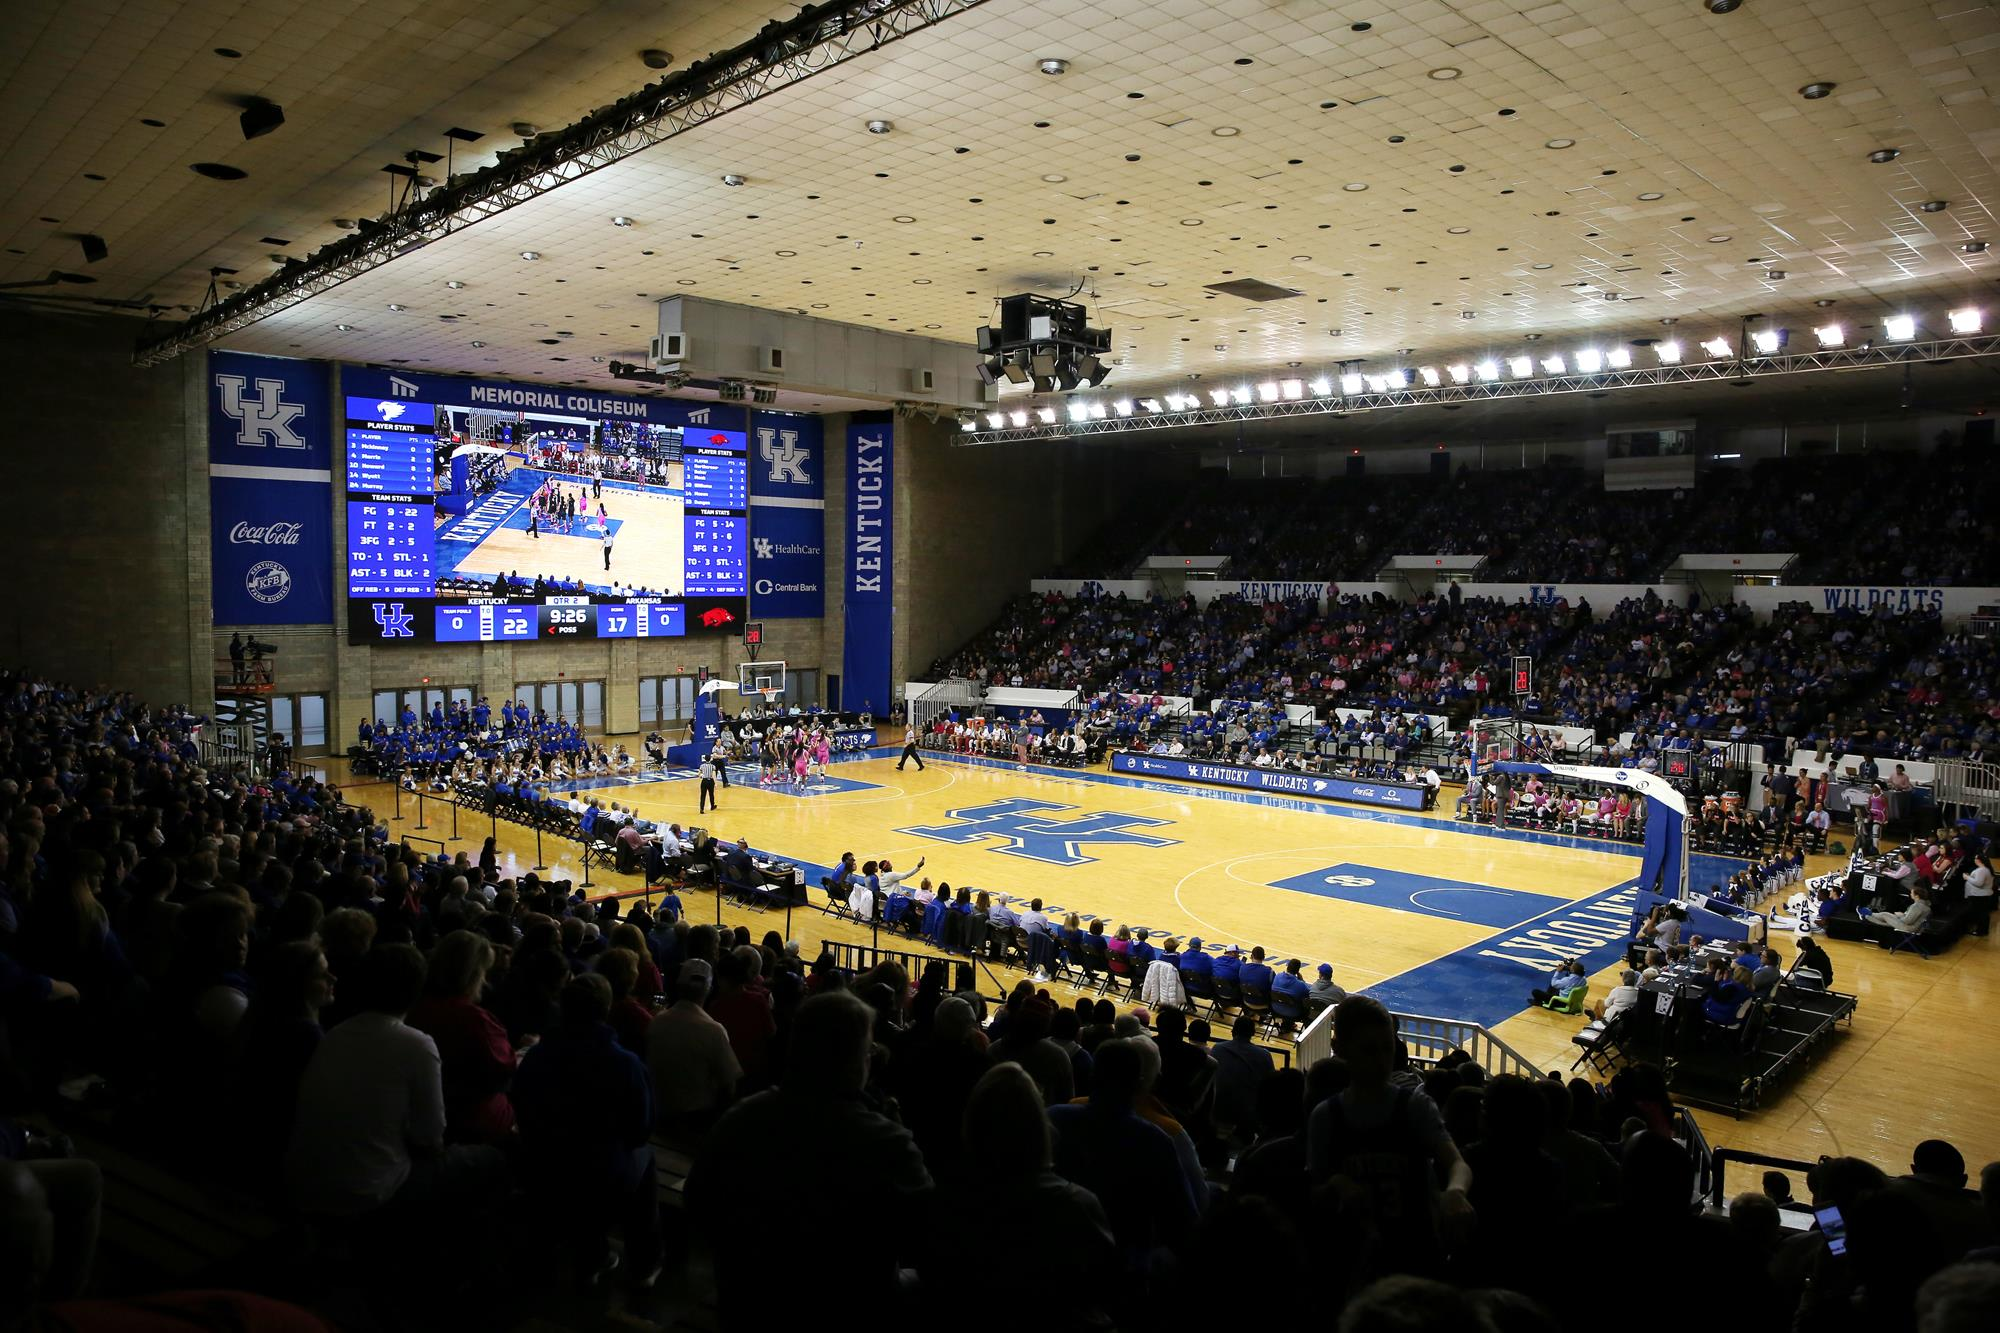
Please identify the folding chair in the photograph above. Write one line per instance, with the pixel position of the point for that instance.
(1257, 1004)
(1227, 995)
(1600, 1045)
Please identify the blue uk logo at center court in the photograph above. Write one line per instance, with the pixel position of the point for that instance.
(1449, 899)
(1023, 826)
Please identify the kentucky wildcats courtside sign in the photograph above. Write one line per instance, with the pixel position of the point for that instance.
(1401, 796)
(270, 490)
(787, 517)
(1026, 828)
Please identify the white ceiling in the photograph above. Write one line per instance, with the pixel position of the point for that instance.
(1659, 96)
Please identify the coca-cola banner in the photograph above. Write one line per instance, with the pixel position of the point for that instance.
(270, 491)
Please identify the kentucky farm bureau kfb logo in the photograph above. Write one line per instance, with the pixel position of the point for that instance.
(1024, 829)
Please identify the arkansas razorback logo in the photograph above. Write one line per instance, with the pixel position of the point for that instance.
(716, 615)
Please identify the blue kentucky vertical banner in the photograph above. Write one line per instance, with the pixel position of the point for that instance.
(270, 490)
(787, 517)
(869, 587)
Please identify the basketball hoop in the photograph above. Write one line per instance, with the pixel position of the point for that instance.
(770, 698)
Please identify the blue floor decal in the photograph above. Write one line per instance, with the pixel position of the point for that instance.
(1451, 900)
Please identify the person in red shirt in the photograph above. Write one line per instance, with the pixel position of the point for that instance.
(476, 1057)
(743, 1007)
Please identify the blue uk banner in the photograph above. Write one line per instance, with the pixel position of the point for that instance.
(868, 588)
(787, 517)
(270, 491)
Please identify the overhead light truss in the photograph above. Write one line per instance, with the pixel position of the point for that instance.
(1234, 409)
(782, 54)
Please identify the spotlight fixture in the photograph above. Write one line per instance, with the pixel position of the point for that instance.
(996, 420)
(1553, 365)
(1351, 383)
(1240, 395)
(260, 117)
(1718, 347)
(1018, 418)
(1430, 376)
(1768, 342)
(1322, 387)
(1487, 371)
(1053, 66)
(1618, 359)
(1520, 367)
(1589, 361)
(1667, 352)
(1460, 374)
(731, 178)
(1123, 407)
(1220, 397)
(1830, 335)
(1899, 328)
(1047, 415)
(880, 126)
(1881, 155)
(1267, 392)
(1044, 340)
(1965, 321)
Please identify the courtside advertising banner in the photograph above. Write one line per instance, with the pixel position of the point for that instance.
(270, 490)
(787, 517)
(869, 585)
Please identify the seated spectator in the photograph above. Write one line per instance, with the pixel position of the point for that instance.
(477, 1056)
(1241, 1069)
(1324, 994)
(743, 1006)
(1128, 1163)
(281, 1033)
(1016, 1192)
(814, 1126)
(1622, 999)
(369, 1132)
(693, 1067)
(1387, 1141)
(586, 1119)
(1566, 978)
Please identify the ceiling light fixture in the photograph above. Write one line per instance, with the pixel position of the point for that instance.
(454, 284)
(1225, 131)
(1881, 155)
(1355, 187)
(1768, 342)
(1934, 205)
(1812, 92)
(1560, 143)
(1974, 247)
(477, 343)
(1445, 74)
(1967, 320)
(1053, 67)
(880, 126)
(1899, 328)
(1724, 6)
(531, 255)
(344, 328)
(621, 221)
(731, 178)
(1668, 353)
(1718, 347)
(394, 306)
(1830, 335)
(654, 58)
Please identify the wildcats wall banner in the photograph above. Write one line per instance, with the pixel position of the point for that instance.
(787, 517)
(270, 490)
(868, 590)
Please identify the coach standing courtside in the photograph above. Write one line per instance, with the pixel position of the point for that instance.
(709, 768)
(910, 750)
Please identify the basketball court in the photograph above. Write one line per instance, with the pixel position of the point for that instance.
(647, 535)
(1431, 916)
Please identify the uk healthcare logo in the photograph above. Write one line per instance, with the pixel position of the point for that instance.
(780, 448)
(268, 419)
(394, 621)
(1024, 829)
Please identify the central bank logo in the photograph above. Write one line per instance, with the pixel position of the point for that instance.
(780, 448)
(1024, 828)
(268, 582)
(394, 621)
(267, 419)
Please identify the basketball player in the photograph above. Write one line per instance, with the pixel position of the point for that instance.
(910, 750)
(709, 770)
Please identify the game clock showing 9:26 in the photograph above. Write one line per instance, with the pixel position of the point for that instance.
(392, 620)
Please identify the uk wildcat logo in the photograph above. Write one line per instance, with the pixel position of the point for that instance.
(780, 448)
(265, 420)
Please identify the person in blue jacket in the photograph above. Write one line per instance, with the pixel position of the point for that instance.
(1228, 966)
(1255, 974)
(1290, 984)
(1195, 961)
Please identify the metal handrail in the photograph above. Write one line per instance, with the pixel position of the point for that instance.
(1429, 1040)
